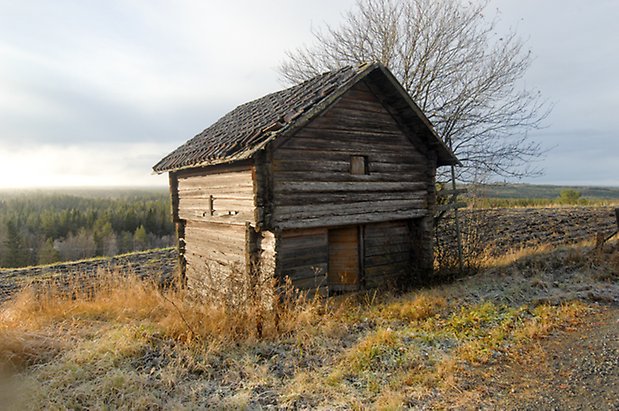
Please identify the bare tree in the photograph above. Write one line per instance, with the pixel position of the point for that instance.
(465, 77)
(77, 246)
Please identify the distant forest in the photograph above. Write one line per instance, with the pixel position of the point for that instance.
(45, 227)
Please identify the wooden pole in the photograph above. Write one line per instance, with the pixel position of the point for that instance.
(456, 214)
(600, 240)
(457, 221)
(180, 230)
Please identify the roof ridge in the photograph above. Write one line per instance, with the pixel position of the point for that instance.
(250, 126)
(252, 123)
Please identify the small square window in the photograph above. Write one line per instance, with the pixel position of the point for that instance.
(358, 165)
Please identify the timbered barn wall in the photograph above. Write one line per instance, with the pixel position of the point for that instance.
(305, 206)
(303, 256)
(213, 207)
(387, 253)
(313, 189)
(312, 182)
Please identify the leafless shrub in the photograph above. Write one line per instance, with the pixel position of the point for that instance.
(447, 54)
(474, 244)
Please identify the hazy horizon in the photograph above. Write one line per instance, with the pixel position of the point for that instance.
(166, 187)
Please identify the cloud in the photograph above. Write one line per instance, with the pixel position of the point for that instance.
(579, 156)
(123, 164)
(78, 75)
(87, 86)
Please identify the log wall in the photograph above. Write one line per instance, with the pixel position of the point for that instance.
(212, 252)
(316, 187)
(221, 195)
(387, 253)
(354, 165)
(312, 182)
(303, 257)
(306, 256)
(214, 207)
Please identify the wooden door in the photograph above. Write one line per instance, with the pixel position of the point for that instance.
(344, 258)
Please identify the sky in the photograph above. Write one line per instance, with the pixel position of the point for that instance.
(96, 92)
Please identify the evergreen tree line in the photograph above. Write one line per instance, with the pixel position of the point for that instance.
(42, 228)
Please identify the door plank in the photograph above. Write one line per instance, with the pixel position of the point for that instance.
(343, 257)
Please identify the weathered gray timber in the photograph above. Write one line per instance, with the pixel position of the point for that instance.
(330, 183)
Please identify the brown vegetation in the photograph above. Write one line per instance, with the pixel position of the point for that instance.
(124, 343)
(491, 233)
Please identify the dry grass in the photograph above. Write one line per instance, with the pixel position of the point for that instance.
(415, 307)
(123, 343)
(115, 299)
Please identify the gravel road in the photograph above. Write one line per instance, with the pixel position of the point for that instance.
(573, 370)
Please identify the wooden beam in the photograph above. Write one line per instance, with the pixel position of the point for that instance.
(179, 228)
(173, 179)
(180, 250)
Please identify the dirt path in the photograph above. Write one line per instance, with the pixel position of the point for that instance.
(573, 370)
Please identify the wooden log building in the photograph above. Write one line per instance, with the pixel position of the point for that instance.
(330, 183)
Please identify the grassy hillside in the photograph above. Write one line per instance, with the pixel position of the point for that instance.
(545, 191)
(124, 344)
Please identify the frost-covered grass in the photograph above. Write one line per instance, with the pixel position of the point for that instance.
(123, 343)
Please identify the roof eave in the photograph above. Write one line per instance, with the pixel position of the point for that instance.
(301, 121)
(213, 162)
(444, 154)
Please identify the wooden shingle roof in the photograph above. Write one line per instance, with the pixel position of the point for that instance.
(249, 127)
